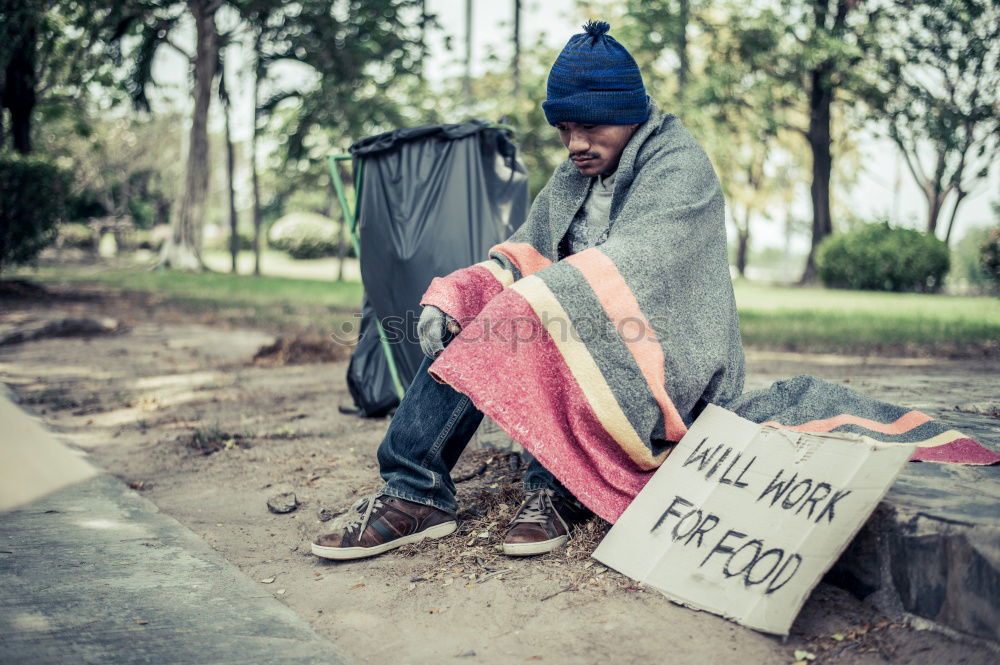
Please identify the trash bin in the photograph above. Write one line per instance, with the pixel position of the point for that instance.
(432, 200)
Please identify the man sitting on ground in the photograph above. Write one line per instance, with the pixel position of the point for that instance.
(629, 230)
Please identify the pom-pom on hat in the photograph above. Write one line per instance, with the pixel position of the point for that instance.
(595, 80)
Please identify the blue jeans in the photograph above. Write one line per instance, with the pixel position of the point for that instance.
(429, 431)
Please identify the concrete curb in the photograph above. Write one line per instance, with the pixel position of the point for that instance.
(94, 573)
(932, 547)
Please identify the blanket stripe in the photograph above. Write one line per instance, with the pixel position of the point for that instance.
(523, 255)
(942, 439)
(588, 322)
(588, 376)
(810, 404)
(503, 275)
(463, 293)
(635, 330)
(962, 450)
(565, 431)
(936, 446)
(904, 423)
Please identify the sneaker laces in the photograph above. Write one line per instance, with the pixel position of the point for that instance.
(357, 516)
(535, 508)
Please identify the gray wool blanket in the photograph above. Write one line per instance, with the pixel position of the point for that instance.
(599, 362)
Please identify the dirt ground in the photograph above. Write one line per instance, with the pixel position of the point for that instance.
(175, 406)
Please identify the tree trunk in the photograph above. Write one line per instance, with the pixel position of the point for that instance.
(684, 16)
(19, 90)
(960, 195)
(253, 158)
(121, 230)
(935, 191)
(422, 60)
(343, 237)
(256, 200)
(163, 212)
(743, 244)
(467, 78)
(934, 205)
(234, 234)
(183, 249)
(342, 241)
(820, 100)
(516, 65)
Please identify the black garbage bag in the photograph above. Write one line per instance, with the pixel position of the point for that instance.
(433, 199)
(368, 377)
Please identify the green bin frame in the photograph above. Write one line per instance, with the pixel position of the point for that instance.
(350, 216)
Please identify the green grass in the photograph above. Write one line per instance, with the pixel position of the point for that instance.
(280, 264)
(286, 301)
(211, 287)
(818, 319)
(804, 319)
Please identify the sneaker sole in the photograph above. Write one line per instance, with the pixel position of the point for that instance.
(346, 553)
(528, 549)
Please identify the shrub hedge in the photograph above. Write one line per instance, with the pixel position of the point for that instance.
(878, 257)
(73, 235)
(989, 257)
(33, 194)
(305, 235)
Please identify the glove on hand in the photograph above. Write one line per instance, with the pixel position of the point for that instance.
(430, 329)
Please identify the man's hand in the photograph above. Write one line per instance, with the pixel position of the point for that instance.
(430, 329)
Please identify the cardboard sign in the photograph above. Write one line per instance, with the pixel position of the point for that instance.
(742, 520)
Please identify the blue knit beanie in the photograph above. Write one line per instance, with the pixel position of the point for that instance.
(596, 81)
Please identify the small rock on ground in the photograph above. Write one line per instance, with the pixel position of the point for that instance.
(285, 502)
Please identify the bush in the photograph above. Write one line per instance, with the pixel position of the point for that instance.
(878, 257)
(305, 235)
(989, 257)
(32, 202)
(73, 235)
(152, 239)
(967, 273)
(217, 237)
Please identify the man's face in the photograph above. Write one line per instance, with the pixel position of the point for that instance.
(595, 149)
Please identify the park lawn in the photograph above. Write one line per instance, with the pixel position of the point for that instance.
(817, 319)
(286, 301)
(280, 264)
(801, 319)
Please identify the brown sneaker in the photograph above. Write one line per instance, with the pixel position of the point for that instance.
(383, 523)
(542, 523)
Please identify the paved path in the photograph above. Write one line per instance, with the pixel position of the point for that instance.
(94, 573)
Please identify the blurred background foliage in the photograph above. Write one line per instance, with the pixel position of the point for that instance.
(780, 93)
